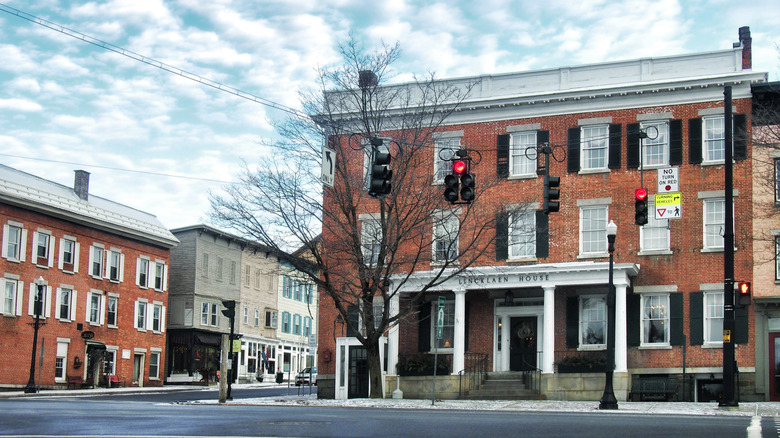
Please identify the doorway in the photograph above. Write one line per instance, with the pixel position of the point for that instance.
(358, 372)
(138, 369)
(522, 343)
(774, 366)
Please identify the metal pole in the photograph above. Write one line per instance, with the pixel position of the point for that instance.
(608, 400)
(231, 356)
(729, 323)
(31, 388)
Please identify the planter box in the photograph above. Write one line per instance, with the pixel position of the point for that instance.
(566, 369)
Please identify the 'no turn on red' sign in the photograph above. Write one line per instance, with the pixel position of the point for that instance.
(668, 180)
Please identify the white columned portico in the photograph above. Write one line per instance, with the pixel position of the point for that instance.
(459, 349)
(393, 339)
(548, 345)
(621, 334)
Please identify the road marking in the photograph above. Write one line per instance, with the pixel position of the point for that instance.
(754, 430)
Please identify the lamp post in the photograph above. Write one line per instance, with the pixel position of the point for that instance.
(37, 310)
(608, 400)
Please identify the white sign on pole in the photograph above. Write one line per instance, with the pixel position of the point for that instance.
(440, 317)
(328, 166)
(669, 180)
(668, 205)
(312, 341)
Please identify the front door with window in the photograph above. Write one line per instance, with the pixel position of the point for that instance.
(774, 366)
(358, 372)
(522, 343)
(138, 369)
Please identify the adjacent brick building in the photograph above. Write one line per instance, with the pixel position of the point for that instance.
(101, 268)
(537, 300)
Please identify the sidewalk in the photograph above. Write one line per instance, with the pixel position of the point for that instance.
(747, 409)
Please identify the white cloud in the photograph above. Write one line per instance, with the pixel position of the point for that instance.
(22, 105)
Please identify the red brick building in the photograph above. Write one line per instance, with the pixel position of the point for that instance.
(536, 302)
(100, 271)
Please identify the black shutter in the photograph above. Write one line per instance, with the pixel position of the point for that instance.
(740, 136)
(634, 320)
(502, 236)
(353, 316)
(694, 141)
(542, 235)
(741, 326)
(502, 156)
(632, 146)
(615, 144)
(696, 318)
(675, 142)
(572, 322)
(676, 318)
(424, 328)
(466, 349)
(574, 149)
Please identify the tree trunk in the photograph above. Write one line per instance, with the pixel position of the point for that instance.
(374, 369)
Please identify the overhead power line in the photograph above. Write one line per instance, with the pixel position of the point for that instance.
(146, 60)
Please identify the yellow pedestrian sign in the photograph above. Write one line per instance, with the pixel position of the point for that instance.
(668, 205)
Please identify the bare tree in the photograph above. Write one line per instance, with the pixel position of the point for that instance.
(370, 246)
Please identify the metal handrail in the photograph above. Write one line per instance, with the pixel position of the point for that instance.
(532, 376)
(475, 372)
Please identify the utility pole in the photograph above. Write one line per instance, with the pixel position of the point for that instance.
(729, 322)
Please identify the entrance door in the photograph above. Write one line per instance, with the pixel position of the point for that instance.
(358, 373)
(138, 369)
(774, 366)
(522, 343)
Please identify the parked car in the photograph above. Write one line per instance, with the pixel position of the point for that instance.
(302, 378)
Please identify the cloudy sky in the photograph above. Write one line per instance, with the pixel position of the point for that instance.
(66, 104)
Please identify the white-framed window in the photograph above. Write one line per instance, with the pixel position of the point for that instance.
(233, 271)
(112, 309)
(204, 264)
(141, 314)
(522, 234)
(157, 318)
(655, 235)
(214, 314)
(519, 163)
(204, 313)
(777, 180)
(371, 240)
(655, 148)
(44, 296)
(445, 149)
(245, 315)
(109, 361)
(257, 317)
(286, 287)
(296, 324)
(96, 261)
(378, 308)
(220, 263)
(714, 138)
(271, 317)
(306, 326)
(61, 360)
(44, 248)
(116, 268)
(593, 321)
(285, 322)
(594, 141)
(713, 317)
(714, 220)
(14, 242)
(65, 303)
(95, 313)
(777, 258)
(160, 276)
(247, 275)
(445, 237)
(655, 319)
(593, 229)
(142, 272)
(12, 295)
(154, 365)
(69, 255)
(258, 276)
(447, 340)
(309, 293)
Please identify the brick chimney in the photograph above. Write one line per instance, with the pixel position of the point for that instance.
(81, 185)
(746, 41)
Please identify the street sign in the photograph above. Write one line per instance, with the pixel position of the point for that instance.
(328, 166)
(668, 180)
(668, 205)
(312, 341)
(236, 346)
(440, 317)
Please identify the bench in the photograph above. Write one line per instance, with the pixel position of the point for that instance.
(653, 388)
(113, 381)
(76, 382)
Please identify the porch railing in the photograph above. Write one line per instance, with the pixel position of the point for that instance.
(474, 374)
(532, 375)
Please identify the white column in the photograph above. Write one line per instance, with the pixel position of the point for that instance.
(506, 323)
(621, 336)
(459, 349)
(392, 339)
(548, 345)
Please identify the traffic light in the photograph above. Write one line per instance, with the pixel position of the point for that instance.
(640, 206)
(744, 291)
(551, 194)
(379, 183)
(467, 186)
(230, 308)
(452, 181)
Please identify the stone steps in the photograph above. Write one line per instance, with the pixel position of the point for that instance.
(503, 386)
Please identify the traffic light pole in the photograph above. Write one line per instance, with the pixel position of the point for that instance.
(729, 322)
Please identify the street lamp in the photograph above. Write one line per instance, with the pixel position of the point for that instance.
(608, 400)
(37, 310)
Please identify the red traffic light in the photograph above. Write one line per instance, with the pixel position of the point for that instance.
(458, 166)
(744, 287)
(640, 194)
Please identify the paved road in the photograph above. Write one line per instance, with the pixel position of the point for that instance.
(110, 416)
(196, 393)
